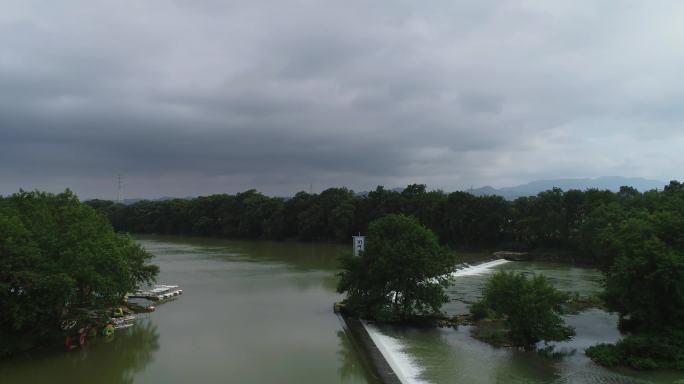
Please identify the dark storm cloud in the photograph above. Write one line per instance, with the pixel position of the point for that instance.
(210, 96)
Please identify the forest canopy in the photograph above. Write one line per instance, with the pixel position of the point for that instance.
(570, 220)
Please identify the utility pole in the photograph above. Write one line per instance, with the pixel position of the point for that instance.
(119, 192)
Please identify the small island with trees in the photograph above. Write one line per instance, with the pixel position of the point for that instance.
(638, 246)
(401, 277)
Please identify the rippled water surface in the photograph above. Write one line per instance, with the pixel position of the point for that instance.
(251, 312)
(260, 312)
(453, 356)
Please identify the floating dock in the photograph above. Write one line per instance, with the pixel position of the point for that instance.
(158, 293)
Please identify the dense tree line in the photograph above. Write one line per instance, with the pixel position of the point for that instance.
(553, 219)
(58, 256)
(641, 244)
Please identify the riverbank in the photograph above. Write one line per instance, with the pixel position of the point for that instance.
(76, 327)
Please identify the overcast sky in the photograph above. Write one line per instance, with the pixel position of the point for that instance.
(200, 96)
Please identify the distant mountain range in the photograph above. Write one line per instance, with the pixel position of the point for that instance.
(612, 183)
(163, 198)
(365, 193)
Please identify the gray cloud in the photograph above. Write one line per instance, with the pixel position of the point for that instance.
(195, 97)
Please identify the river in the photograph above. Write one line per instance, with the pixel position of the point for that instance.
(261, 312)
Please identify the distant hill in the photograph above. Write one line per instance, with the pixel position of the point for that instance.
(612, 183)
(365, 193)
(163, 198)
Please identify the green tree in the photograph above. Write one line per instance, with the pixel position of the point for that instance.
(530, 306)
(645, 283)
(402, 273)
(56, 254)
(638, 240)
(329, 215)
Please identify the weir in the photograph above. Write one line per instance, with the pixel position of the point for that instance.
(391, 363)
(479, 269)
(403, 366)
(381, 368)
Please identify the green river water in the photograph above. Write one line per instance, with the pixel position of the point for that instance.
(261, 312)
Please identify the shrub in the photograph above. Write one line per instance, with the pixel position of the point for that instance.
(530, 306)
(642, 351)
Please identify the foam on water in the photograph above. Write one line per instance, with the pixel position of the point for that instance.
(403, 365)
(392, 350)
(479, 269)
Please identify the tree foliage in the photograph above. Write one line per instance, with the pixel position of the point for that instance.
(642, 245)
(552, 220)
(530, 307)
(663, 349)
(56, 254)
(402, 273)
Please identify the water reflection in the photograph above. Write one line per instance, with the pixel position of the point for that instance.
(312, 265)
(299, 256)
(128, 352)
(352, 368)
(265, 311)
(112, 360)
(258, 312)
(453, 356)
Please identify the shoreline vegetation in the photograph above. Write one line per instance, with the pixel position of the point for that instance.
(62, 270)
(636, 242)
(554, 225)
(53, 259)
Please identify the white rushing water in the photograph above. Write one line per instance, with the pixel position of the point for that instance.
(403, 365)
(479, 269)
